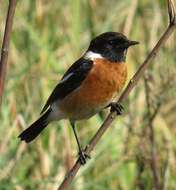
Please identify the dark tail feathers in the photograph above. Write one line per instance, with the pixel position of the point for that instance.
(35, 129)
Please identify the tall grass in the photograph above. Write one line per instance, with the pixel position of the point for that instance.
(47, 37)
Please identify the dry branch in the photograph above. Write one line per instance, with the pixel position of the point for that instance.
(5, 44)
(172, 18)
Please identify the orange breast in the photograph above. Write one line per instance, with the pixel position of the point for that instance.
(104, 81)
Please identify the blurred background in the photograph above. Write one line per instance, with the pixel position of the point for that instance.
(139, 149)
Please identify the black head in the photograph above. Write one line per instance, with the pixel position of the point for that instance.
(111, 45)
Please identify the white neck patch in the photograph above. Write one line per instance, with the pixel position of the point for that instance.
(92, 55)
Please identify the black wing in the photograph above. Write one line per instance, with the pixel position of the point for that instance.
(71, 80)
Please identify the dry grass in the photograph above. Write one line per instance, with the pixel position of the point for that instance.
(47, 37)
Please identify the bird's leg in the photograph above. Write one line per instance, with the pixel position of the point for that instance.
(116, 107)
(82, 155)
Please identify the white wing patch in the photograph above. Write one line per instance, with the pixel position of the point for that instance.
(92, 55)
(66, 77)
(88, 55)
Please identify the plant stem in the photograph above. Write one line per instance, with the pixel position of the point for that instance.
(138, 75)
(5, 44)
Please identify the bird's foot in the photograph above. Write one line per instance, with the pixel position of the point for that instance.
(116, 107)
(83, 156)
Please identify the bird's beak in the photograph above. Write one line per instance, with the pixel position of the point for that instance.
(132, 43)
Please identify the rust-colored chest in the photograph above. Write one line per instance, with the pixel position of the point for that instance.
(103, 83)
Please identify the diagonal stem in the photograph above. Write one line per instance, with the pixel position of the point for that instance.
(140, 72)
(171, 12)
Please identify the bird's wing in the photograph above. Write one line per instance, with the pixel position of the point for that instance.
(71, 80)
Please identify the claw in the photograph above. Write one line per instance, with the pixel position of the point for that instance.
(83, 157)
(116, 107)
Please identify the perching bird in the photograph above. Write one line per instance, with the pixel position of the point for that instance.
(87, 87)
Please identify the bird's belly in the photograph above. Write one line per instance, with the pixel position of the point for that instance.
(99, 88)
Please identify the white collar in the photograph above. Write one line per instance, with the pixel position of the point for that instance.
(92, 55)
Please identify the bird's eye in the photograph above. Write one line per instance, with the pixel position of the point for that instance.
(111, 42)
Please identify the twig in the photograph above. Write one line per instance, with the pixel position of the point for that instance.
(72, 173)
(154, 168)
(140, 169)
(5, 44)
(7, 169)
(165, 172)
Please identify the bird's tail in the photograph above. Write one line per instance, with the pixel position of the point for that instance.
(36, 128)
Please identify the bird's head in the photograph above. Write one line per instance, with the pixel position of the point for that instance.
(110, 45)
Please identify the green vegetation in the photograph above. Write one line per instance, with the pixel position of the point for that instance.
(47, 37)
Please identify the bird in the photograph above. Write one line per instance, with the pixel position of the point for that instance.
(87, 87)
